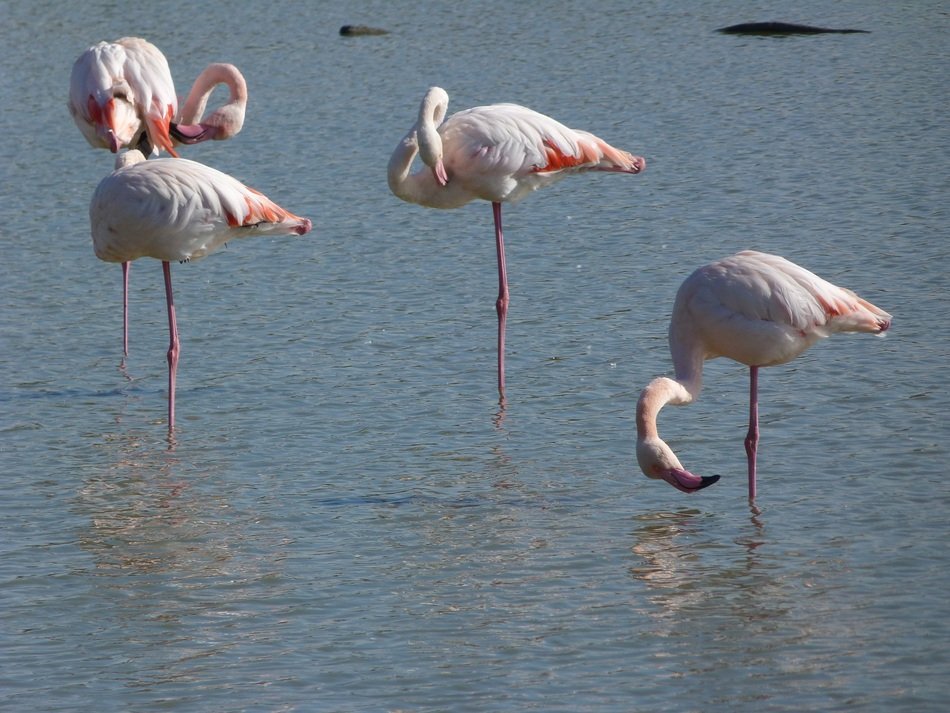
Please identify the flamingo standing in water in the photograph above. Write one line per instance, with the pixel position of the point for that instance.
(176, 209)
(498, 153)
(122, 96)
(757, 309)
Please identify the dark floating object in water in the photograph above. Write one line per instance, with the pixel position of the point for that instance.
(778, 28)
(356, 30)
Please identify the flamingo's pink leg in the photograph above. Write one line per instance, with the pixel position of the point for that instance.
(752, 437)
(125, 306)
(173, 344)
(501, 305)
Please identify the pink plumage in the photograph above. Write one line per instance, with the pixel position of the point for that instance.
(122, 96)
(175, 209)
(120, 90)
(178, 210)
(757, 309)
(498, 153)
(761, 310)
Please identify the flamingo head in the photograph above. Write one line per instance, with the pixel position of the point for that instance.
(430, 151)
(110, 123)
(658, 461)
(440, 175)
(687, 482)
(192, 133)
(222, 124)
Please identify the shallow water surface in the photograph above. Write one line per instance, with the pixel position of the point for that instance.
(345, 519)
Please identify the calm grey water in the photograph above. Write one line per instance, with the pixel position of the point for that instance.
(345, 521)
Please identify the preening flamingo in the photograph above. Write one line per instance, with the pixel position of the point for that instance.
(176, 209)
(757, 309)
(498, 153)
(122, 96)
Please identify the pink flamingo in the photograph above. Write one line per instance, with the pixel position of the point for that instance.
(175, 209)
(757, 309)
(121, 93)
(498, 153)
(122, 96)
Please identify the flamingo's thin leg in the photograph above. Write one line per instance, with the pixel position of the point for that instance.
(126, 266)
(501, 305)
(174, 348)
(752, 437)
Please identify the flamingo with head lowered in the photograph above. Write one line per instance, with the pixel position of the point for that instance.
(176, 209)
(122, 96)
(497, 153)
(757, 309)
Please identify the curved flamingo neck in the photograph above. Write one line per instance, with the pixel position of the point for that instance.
(129, 158)
(402, 183)
(657, 394)
(431, 113)
(424, 186)
(655, 457)
(228, 118)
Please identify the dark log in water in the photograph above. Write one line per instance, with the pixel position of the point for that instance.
(357, 30)
(779, 28)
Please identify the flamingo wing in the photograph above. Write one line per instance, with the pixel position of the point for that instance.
(504, 151)
(783, 292)
(176, 209)
(762, 309)
(149, 76)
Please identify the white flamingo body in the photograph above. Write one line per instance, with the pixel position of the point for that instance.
(761, 310)
(757, 309)
(497, 153)
(122, 96)
(120, 90)
(176, 209)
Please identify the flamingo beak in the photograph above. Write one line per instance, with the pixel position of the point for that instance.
(103, 116)
(686, 481)
(440, 175)
(185, 134)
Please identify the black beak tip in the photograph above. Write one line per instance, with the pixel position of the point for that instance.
(707, 481)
